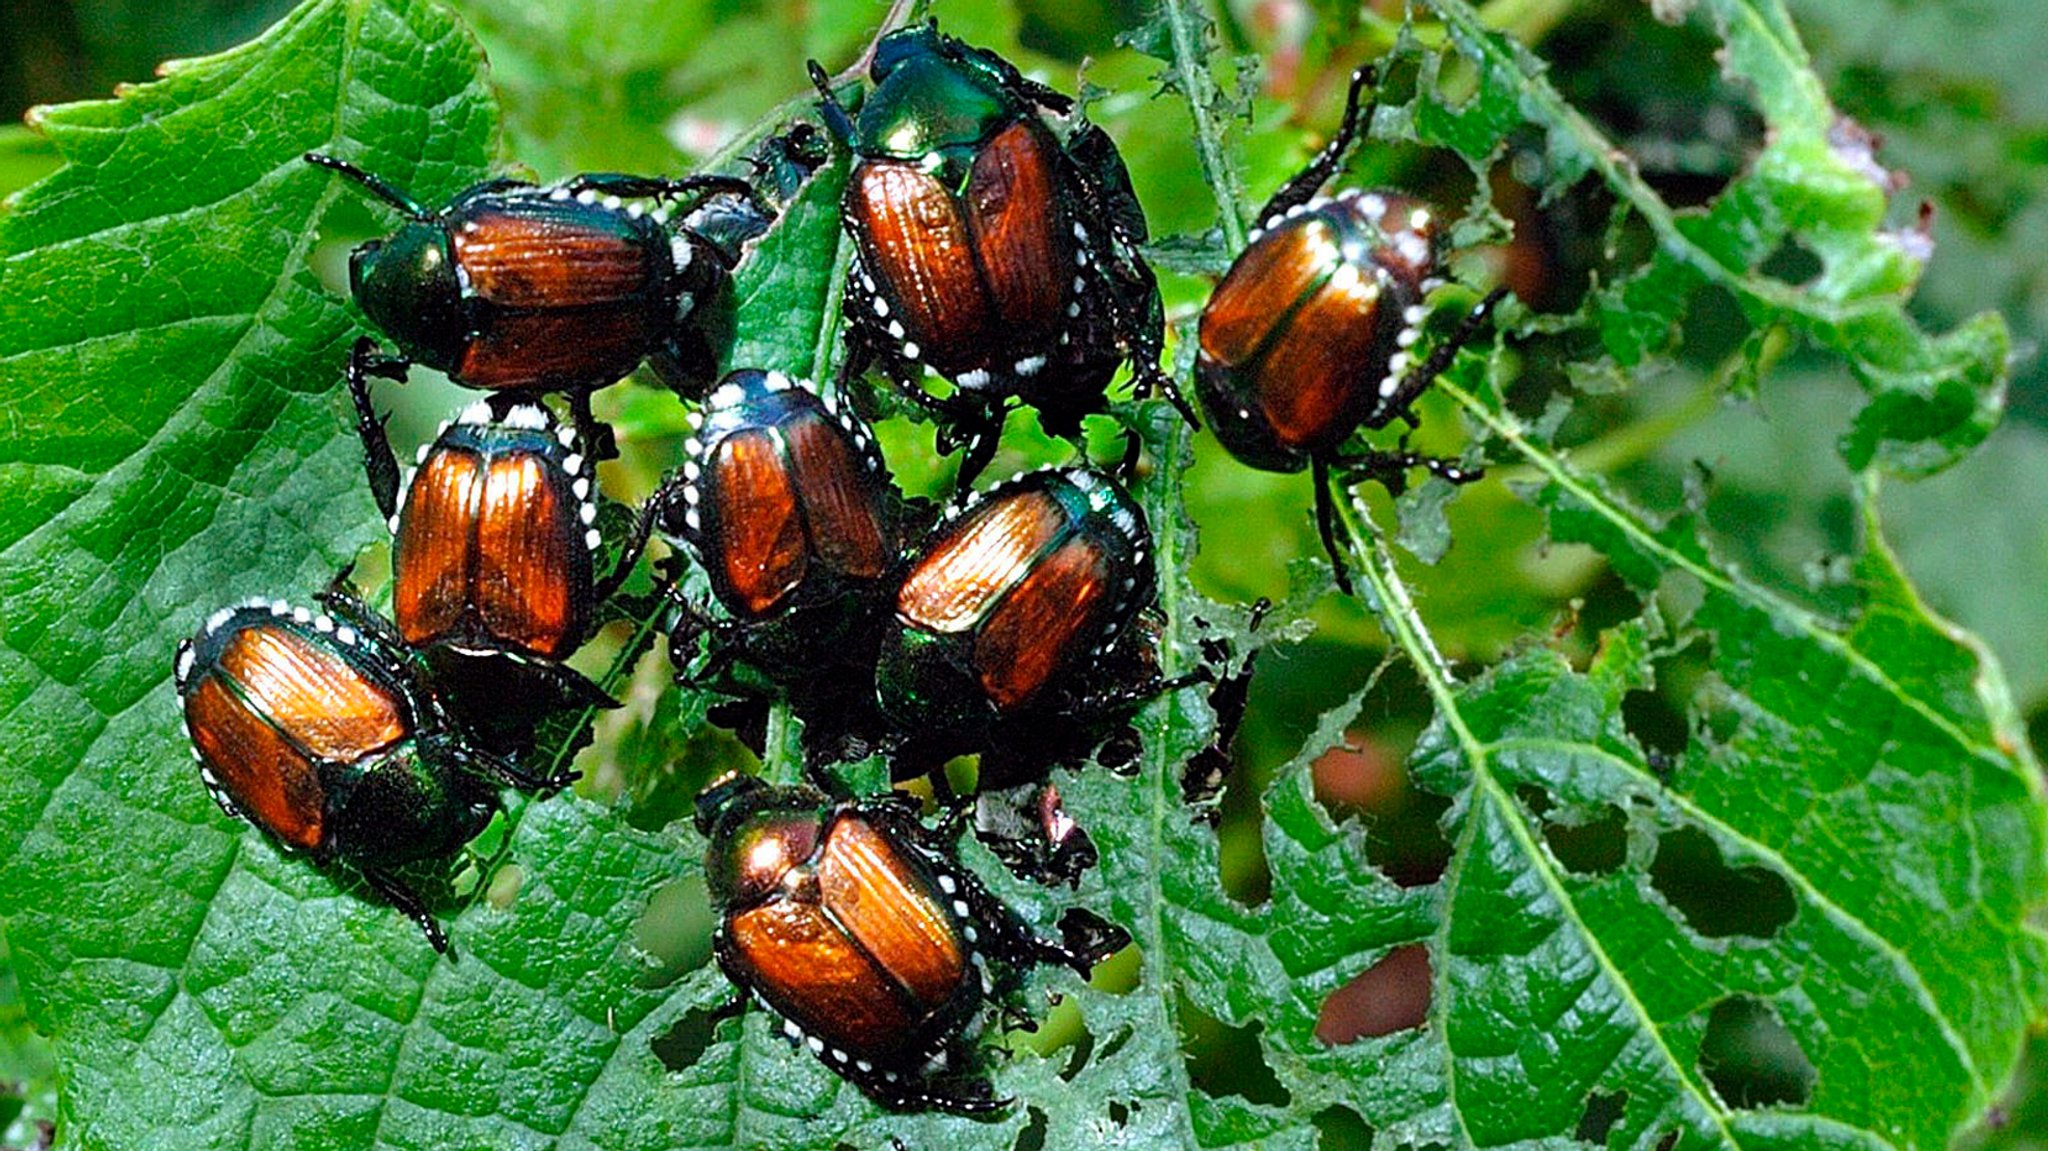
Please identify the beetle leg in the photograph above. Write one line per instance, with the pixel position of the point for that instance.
(1306, 182)
(377, 186)
(1425, 372)
(726, 643)
(1390, 469)
(984, 431)
(907, 1094)
(364, 361)
(1126, 466)
(1113, 700)
(591, 430)
(953, 48)
(572, 686)
(630, 551)
(674, 189)
(483, 763)
(1326, 525)
(400, 895)
(1106, 182)
(342, 601)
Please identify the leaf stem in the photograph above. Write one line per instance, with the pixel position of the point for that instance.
(1198, 85)
(782, 754)
(1389, 600)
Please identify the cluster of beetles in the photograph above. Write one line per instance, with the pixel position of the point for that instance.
(998, 245)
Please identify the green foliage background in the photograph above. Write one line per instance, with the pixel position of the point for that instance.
(1671, 707)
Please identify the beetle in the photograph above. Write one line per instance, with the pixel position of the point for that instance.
(788, 507)
(517, 287)
(493, 538)
(318, 728)
(996, 240)
(1311, 333)
(1015, 608)
(860, 929)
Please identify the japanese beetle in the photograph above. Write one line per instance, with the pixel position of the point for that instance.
(1012, 607)
(494, 540)
(860, 929)
(317, 728)
(996, 240)
(515, 287)
(1310, 335)
(788, 507)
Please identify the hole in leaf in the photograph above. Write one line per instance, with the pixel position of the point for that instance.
(1716, 314)
(1339, 1128)
(1687, 130)
(1360, 775)
(1457, 81)
(1608, 604)
(1077, 1058)
(1032, 1137)
(675, 930)
(1062, 1033)
(1410, 846)
(1240, 819)
(1391, 995)
(1115, 1043)
(1120, 1113)
(1794, 263)
(1558, 230)
(1225, 1060)
(1403, 834)
(1751, 1058)
(1120, 973)
(1658, 727)
(1396, 84)
(683, 1044)
(1603, 1111)
(1594, 847)
(1718, 900)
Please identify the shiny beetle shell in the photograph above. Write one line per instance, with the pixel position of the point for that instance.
(1307, 337)
(567, 287)
(784, 497)
(996, 234)
(493, 541)
(976, 280)
(1013, 594)
(301, 725)
(866, 940)
(522, 288)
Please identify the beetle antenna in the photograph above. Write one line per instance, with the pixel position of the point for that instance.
(836, 120)
(378, 186)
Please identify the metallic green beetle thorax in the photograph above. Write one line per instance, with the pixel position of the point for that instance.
(929, 105)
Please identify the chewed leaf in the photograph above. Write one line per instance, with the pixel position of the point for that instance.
(1817, 184)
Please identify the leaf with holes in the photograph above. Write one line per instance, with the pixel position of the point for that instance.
(181, 446)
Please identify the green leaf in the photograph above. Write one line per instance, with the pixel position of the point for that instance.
(1816, 186)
